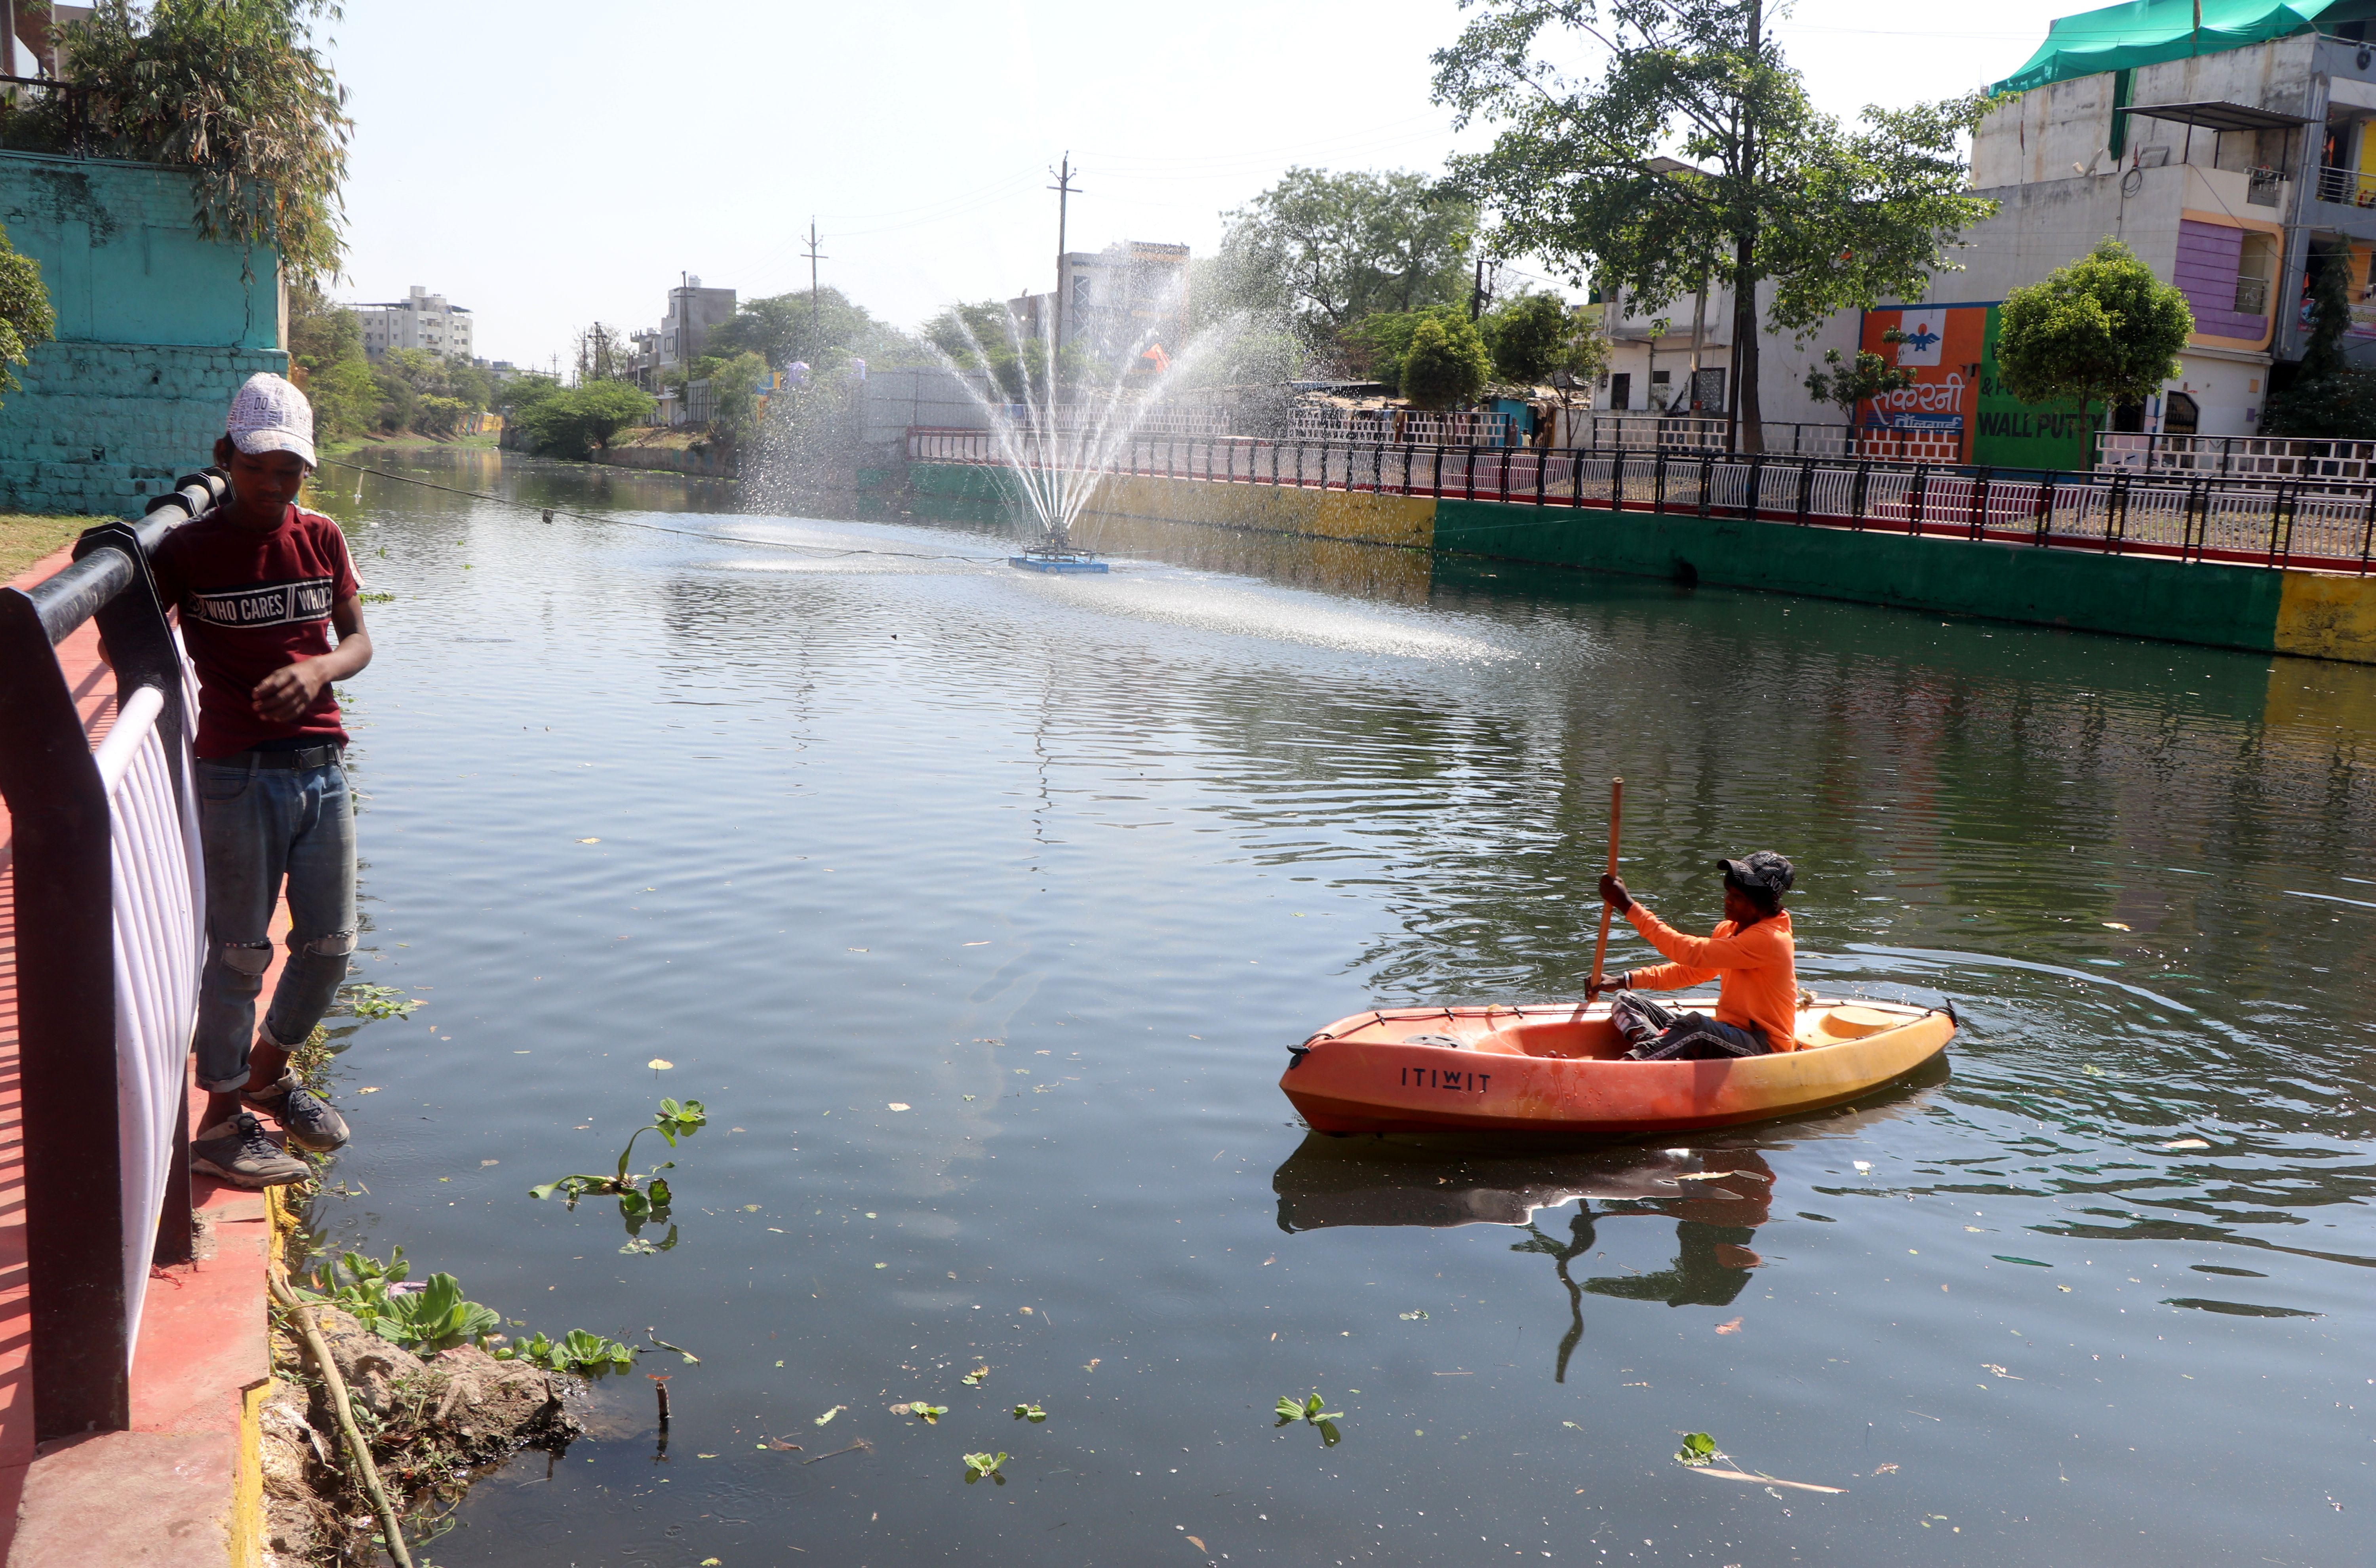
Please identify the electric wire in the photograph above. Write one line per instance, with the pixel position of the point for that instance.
(659, 528)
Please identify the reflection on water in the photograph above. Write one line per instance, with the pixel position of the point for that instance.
(978, 907)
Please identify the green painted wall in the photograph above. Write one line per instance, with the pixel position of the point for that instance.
(2321, 615)
(2137, 596)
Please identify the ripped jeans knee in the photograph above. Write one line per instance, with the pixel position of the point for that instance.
(248, 959)
(334, 944)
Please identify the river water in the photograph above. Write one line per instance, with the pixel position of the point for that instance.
(979, 905)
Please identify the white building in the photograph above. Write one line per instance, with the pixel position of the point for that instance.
(423, 320)
(1123, 302)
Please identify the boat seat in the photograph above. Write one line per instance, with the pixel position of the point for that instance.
(1846, 1022)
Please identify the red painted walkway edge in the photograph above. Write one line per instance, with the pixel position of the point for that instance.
(181, 1487)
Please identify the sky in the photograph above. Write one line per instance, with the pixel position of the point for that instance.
(550, 164)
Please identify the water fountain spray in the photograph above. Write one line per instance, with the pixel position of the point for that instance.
(1057, 449)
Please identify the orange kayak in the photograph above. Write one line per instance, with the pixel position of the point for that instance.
(1556, 1068)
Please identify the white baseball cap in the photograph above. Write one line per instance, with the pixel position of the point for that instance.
(271, 415)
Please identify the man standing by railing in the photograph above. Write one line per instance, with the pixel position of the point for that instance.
(258, 584)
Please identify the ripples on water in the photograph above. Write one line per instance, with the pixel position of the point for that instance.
(1062, 864)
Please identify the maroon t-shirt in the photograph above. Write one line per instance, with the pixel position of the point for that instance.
(252, 603)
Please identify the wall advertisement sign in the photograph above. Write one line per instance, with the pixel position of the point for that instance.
(1950, 350)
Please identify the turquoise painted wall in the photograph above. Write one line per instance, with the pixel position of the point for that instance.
(2132, 595)
(156, 330)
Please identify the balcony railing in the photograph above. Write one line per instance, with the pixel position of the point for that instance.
(2347, 188)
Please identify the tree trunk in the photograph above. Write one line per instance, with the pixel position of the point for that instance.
(1749, 424)
(1750, 432)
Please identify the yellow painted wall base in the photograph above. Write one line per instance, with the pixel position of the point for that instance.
(2325, 615)
(247, 1523)
(1329, 514)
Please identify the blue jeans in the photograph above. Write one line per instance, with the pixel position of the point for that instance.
(259, 826)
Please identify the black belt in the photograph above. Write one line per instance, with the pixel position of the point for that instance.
(311, 756)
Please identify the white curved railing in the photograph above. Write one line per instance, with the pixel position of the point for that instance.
(159, 901)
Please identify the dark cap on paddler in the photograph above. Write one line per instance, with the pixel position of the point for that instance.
(1762, 871)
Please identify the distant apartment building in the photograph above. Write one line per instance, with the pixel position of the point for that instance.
(683, 335)
(1118, 302)
(421, 320)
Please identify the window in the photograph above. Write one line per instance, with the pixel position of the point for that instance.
(2180, 416)
(2254, 263)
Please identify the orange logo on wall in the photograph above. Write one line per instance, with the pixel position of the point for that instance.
(1941, 349)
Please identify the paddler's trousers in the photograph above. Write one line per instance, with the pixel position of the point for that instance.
(1660, 1034)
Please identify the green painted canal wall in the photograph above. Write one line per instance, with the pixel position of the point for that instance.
(2315, 614)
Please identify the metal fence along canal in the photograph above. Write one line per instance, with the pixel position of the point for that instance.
(2314, 523)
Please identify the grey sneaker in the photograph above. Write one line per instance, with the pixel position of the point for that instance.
(238, 1151)
(305, 1116)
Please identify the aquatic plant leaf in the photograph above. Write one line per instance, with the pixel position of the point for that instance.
(981, 1465)
(929, 1414)
(1329, 1436)
(830, 1414)
(1031, 1413)
(1698, 1448)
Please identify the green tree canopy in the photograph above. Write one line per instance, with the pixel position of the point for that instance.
(1336, 247)
(786, 327)
(572, 422)
(1376, 346)
(1770, 196)
(232, 89)
(2100, 329)
(1533, 336)
(1446, 362)
(982, 336)
(25, 317)
(734, 396)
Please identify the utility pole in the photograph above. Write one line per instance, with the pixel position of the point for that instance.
(1063, 189)
(816, 331)
(1477, 294)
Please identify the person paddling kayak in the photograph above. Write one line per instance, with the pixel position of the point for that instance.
(1751, 953)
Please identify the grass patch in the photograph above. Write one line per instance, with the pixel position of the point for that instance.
(25, 539)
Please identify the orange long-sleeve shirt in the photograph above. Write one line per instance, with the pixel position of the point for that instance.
(1757, 969)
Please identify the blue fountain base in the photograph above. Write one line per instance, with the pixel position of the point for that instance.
(1036, 562)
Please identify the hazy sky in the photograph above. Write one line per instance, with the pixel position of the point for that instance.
(550, 164)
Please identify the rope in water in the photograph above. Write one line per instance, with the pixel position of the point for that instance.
(551, 512)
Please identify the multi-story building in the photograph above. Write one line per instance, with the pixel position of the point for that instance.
(1118, 302)
(2235, 162)
(683, 335)
(421, 320)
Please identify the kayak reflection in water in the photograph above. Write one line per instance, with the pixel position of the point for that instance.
(1716, 1196)
(1713, 1230)
(1752, 953)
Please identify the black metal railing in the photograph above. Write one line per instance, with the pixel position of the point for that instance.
(77, 1230)
(2326, 524)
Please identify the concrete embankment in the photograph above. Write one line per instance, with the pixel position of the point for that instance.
(670, 451)
(2217, 604)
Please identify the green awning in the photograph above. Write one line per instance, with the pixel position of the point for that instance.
(2145, 32)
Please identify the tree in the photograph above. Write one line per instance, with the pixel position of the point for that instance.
(1535, 336)
(2100, 329)
(1774, 194)
(985, 337)
(2329, 396)
(1446, 363)
(571, 422)
(734, 397)
(1846, 384)
(1376, 346)
(229, 89)
(1341, 246)
(25, 317)
(789, 327)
